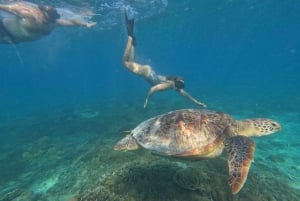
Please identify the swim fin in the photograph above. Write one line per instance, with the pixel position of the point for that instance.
(130, 26)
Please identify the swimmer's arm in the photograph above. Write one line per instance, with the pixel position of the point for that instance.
(75, 22)
(158, 87)
(185, 94)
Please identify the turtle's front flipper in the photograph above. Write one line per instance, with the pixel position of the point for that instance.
(240, 155)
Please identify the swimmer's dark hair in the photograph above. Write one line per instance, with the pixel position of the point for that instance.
(50, 13)
(178, 81)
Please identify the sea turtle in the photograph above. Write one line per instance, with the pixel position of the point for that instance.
(193, 134)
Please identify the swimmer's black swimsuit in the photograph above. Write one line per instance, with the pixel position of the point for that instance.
(4, 33)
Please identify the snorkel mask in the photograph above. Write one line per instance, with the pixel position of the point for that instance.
(179, 83)
(50, 13)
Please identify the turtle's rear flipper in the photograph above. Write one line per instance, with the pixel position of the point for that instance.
(240, 155)
(130, 26)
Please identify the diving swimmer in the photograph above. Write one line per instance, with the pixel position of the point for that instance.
(23, 21)
(158, 82)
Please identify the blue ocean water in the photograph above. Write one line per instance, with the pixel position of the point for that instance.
(66, 98)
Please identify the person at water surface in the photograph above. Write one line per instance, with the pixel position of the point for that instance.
(24, 21)
(158, 82)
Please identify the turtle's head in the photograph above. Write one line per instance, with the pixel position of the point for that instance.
(127, 143)
(258, 127)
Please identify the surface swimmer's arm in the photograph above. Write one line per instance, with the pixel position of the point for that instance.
(158, 87)
(75, 22)
(184, 93)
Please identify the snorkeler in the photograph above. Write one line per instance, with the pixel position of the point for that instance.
(23, 21)
(158, 82)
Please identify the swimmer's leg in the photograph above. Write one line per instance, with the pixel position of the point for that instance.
(75, 22)
(129, 51)
(128, 57)
(128, 61)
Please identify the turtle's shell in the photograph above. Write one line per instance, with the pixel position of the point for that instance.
(179, 132)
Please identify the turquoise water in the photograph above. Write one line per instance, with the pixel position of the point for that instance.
(66, 99)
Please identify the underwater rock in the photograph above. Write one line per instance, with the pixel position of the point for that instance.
(189, 178)
(145, 181)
